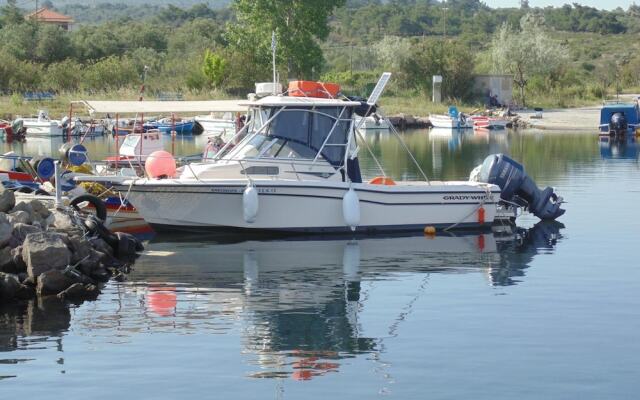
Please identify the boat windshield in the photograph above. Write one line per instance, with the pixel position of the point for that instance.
(300, 133)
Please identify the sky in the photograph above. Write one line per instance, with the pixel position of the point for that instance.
(602, 4)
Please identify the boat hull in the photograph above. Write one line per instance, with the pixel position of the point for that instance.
(47, 128)
(217, 126)
(311, 207)
(181, 128)
(445, 121)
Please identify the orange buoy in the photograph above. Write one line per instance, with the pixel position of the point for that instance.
(481, 215)
(382, 180)
(429, 230)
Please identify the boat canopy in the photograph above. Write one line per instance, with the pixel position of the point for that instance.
(320, 129)
(139, 107)
(630, 111)
(288, 101)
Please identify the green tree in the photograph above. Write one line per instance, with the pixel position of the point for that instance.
(64, 76)
(110, 73)
(299, 25)
(453, 60)
(53, 44)
(214, 68)
(526, 52)
(10, 14)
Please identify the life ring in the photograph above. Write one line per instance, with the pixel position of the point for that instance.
(101, 208)
(382, 180)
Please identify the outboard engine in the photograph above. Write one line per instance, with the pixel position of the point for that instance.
(618, 123)
(517, 187)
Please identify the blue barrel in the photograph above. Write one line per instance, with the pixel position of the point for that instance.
(44, 167)
(77, 155)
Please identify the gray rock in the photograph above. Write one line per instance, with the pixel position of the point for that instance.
(18, 261)
(20, 217)
(101, 246)
(30, 281)
(80, 249)
(9, 285)
(7, 199)
(53, 282)
(62, 221)
(5, 230)
(22, 206)
(6, 261)
(20, 231)
(26, 292)
(39, 209)
(44, 251)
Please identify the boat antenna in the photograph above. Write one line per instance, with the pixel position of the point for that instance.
(274, 45)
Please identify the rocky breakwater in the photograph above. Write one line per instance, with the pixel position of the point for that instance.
(57, 252)
(402, 122)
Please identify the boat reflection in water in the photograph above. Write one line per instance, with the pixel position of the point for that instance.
(619, 147)
(295, 303)
(299, 300)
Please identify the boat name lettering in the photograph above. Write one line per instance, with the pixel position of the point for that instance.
(467, 197)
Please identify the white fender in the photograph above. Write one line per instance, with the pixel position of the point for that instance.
(250, 203)
(351, 209)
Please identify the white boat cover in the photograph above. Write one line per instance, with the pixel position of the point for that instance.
(163, 107)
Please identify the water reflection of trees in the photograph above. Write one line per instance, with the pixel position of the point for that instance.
(296, 303)
(544, 155)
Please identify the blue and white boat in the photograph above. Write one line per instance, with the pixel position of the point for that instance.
(453, 120)
(182, 127)
(619, 119)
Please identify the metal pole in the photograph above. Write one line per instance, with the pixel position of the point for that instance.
(69, 122)
(444, 21)
(117, 131)
(58, 201)
(273, 55)
(173, 131)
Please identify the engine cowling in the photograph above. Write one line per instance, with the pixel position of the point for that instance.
(517, 187)
(618, 123)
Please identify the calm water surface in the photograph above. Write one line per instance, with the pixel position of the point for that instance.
(549, 312)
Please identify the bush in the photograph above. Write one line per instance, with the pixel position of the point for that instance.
(110, 73)
(64, 76)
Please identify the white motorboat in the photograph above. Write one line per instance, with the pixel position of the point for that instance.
(43, 126)
(224, 125)
(297, 170)
(294, 167)
(372, 122)
(450, 122)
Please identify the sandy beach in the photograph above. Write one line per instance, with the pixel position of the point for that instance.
(568, 119)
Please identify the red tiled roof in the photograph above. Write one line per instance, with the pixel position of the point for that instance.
(44, 14)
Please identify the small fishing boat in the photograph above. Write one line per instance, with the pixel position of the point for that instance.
(43, 125)
(619, 119)
(180, 126)
(215, 124)
(484, 122)
(453, 120)
(6, 130)
(372, 122)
